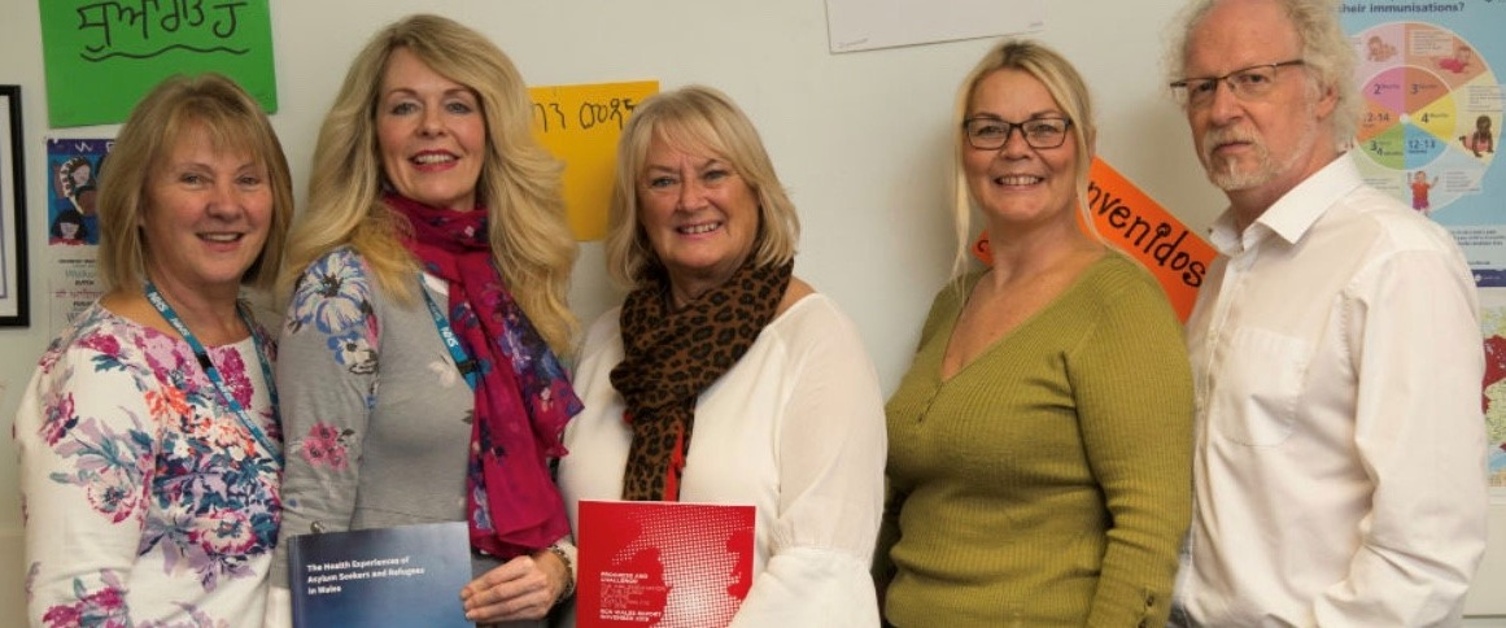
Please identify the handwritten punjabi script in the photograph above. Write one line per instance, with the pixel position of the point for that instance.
(152, 27)
(102, 56)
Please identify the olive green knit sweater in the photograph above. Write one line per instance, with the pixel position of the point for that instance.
(1047, 483)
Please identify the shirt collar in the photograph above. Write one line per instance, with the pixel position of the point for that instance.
(1295, 212)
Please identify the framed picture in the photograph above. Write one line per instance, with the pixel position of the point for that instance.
(13, 285)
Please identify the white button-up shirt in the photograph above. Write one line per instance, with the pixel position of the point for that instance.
(1340, 464)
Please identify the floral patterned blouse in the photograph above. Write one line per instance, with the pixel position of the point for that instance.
(147, 502)
(377, 417)
(357, 459)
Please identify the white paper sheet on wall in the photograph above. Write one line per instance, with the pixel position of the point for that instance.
(854, 25)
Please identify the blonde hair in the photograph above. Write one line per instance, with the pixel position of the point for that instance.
(1068, 90)
(519, 183)
(699, 118)
(234, 122)
(1327, 55)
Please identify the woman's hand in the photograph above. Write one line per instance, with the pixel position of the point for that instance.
(525, 587)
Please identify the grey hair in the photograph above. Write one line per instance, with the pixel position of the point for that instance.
(1327, 53)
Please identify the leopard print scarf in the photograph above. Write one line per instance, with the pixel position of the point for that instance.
(671, 356)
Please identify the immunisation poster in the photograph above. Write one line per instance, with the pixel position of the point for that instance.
(1493, 322)
(1430, 135)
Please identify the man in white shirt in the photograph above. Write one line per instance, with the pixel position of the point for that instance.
(1336, 350)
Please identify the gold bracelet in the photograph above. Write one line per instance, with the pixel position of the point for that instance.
(569, 573)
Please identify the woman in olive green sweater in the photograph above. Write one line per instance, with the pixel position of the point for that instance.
(1040, 444)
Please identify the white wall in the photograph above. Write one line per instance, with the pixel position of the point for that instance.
(860, 138)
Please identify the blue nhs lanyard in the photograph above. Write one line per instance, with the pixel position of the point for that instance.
(155, 297)
(468, 367)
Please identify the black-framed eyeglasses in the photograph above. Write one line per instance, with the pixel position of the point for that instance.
(989, 133)
(1245, 83)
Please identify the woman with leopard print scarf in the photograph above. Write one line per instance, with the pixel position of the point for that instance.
(725, 379)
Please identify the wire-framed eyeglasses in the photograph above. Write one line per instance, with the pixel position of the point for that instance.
(988, 133)
(1249, 83)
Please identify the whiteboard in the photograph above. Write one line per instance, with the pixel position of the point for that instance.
(860, 138)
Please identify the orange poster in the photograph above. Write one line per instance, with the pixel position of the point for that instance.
(1127, 218)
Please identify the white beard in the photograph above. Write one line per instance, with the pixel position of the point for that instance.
(1226, 173)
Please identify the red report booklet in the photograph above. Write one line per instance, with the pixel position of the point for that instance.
(664, 564)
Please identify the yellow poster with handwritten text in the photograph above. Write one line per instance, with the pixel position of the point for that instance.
(580, 124)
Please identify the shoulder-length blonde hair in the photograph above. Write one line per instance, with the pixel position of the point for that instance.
(702, 119)
(1068, 90)
(177, 106)
(519, 182)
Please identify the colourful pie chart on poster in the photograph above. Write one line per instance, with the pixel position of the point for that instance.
(1432, 111)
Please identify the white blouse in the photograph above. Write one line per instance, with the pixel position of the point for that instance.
(796, 429)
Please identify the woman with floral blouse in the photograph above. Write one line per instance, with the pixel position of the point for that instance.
(419, 370)
(149, 442)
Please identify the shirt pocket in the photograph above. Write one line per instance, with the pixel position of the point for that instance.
(1258, 389)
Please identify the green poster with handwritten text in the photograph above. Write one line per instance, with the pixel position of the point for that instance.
(104, 55)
